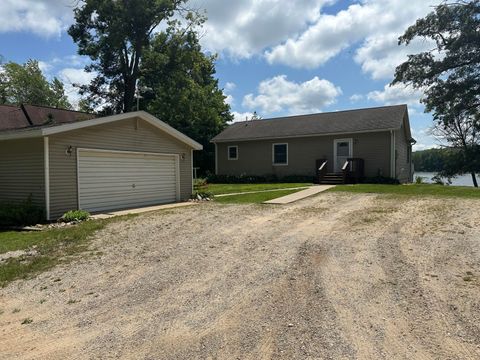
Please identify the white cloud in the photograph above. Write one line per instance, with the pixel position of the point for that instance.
(71, 77)
(279, 94)
(237, 116)
(356, 97)
(243, 28)
(424, 139)
(42, 17)
(229, 99)
(230, 86)
(396, 94)
(376, 23)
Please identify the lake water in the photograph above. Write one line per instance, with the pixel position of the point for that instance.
(462, 180)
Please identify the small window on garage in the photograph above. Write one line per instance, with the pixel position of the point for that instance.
(233, 152)
(280, 154)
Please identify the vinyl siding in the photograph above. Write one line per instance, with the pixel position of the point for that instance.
(402, 164)
(22, 171)
(125, 135)
(255, 157)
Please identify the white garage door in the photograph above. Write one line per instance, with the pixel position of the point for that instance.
(120, 180)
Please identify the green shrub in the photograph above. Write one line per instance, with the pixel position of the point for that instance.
(75, 215)
(21, 214)
(256, 179)
(419, 180)
(381, 180)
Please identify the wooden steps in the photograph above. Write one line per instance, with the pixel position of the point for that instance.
(332, 179)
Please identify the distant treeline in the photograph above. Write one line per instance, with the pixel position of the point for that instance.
(433, 160)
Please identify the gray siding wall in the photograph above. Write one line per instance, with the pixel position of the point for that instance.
(255, 157)
(22, 171)
(402, 164)
(124, 136)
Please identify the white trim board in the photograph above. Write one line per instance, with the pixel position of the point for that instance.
(152, 120)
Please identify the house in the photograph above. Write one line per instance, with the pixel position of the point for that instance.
(365, 143)
(66, 160)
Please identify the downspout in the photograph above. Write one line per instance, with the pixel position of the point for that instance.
(216, 159)
(46, 156)
(392, 155)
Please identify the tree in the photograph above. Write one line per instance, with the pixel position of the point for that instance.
(182, 89)
(449, 74)
(114, 34)
(25, 83)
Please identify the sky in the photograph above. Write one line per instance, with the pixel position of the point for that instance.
(275, 57)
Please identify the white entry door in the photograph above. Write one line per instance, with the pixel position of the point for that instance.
(109, 180)
(342, 150)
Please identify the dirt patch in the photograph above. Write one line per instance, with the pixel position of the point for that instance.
(311, 280)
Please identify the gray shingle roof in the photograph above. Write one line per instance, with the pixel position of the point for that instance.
(349, 121)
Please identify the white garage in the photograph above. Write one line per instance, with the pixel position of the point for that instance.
(124, 179)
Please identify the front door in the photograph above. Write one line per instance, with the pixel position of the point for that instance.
(342, 150)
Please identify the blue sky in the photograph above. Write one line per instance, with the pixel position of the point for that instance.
(275, 57)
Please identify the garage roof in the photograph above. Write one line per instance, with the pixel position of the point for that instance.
(35, 121)
(349, 121)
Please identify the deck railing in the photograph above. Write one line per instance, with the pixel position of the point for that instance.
(353, 170)
(321, 169)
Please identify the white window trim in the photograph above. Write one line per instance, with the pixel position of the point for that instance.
(350, 151)
(273, 155)
(228, 152)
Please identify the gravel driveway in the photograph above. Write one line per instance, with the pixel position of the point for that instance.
(336, 276)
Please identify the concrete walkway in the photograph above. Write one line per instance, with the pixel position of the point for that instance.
(142, 210)
(262, 191)
(299, 195)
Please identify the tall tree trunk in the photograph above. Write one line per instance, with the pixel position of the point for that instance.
(129, 95)
(474, 179)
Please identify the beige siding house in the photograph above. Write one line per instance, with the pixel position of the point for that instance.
(379, 138)
(96, 164)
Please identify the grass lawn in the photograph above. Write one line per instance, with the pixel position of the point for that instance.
(53, 246)
(411, 190)
(255, 198)
(218, 189)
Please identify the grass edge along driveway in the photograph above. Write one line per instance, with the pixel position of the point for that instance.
(411, 190)
(51, 247)
(220, 189)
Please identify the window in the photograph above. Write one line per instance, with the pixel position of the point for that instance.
(280, 154)
(233, 152)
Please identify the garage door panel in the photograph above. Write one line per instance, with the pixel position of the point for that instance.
(106, 179)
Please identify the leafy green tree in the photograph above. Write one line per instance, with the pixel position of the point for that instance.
(449, 74)
(115, 34)
(182, 88)
(26, 84)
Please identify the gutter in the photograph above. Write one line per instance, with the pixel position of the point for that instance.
(214, 141)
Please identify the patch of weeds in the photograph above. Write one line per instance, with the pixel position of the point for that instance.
(43, 288)
(16, 310)
(1, 311)
(467, 278)
(42, 301)
(62, 290)
(57, 280)
(27, 321)
(72, 301)
(469, 273)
